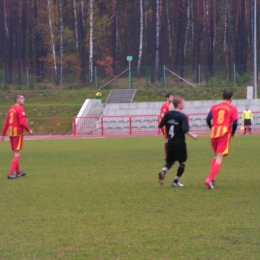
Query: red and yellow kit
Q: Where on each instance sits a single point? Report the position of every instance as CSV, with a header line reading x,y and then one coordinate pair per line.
x,y
15,123
223,114
165,108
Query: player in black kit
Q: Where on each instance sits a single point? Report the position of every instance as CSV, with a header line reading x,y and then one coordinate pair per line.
x,y
177,126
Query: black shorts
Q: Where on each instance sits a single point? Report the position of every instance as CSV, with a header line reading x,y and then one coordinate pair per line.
x,y
247,122
176,151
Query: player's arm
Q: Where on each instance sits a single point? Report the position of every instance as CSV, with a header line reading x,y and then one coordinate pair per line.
x,y
208,119
164,110
163,121
162,114
23,124
234,127
252,118
243,117
4,130
186,129
192,135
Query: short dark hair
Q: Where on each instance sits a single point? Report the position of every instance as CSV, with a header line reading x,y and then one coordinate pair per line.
x,y
227,94
17,96
168,95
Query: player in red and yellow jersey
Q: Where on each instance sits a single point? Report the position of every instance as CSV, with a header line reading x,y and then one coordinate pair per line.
x,y
165,108
15,124
224,124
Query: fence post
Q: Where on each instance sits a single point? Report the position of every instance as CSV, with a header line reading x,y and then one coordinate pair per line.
x,y
96,77
102,126
163,75
199,75
54,124
130,77
234,75
74,126
130,125
27,74
146,74
61,77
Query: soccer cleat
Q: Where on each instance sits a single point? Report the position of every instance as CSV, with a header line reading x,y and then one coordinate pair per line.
x,y
210,185
21,174
161,177
11,176
177,184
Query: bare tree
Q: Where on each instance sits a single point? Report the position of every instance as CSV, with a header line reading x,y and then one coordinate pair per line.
x,y
169,31
226,18
7,53
141,37
19,41
114,29
36,42
157,28
91,28
82,36
76,26
61,43
50,9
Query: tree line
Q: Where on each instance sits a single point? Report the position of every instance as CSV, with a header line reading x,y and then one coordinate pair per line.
x,y
76,35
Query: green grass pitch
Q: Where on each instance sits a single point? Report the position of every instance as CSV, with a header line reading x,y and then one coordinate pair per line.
x,y
100,199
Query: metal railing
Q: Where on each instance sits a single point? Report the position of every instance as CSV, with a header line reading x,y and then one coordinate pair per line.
x,y
120,125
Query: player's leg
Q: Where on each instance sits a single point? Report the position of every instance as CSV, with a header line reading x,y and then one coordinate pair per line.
x,y
247,129
180,171
221,148
250,129
170,160
16,146
213,161
164,170
19,173
181,154
211,165
164,131
215,168
14,163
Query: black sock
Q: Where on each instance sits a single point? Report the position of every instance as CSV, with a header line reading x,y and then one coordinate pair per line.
x,y
180,171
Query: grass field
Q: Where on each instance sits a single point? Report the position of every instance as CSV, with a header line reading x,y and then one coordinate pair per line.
x,y
99,199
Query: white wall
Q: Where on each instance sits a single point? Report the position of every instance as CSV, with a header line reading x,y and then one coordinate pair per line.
x,y
191,107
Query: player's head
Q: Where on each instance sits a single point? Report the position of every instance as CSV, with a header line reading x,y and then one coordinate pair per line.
x,y
228,94
169,97
178,102
19,99
246,108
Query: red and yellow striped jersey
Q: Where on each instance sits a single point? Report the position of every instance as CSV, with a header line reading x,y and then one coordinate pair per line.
x,y
223,114
15,121
165,108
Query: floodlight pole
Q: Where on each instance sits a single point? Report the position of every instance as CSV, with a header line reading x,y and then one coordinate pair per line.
x,y
129,74
129,59
255,56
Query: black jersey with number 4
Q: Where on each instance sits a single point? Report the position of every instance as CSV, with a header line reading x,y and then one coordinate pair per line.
x,y
176,124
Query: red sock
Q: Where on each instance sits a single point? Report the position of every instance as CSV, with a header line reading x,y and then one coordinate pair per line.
x,y
14,163
214,171
212,162
17,169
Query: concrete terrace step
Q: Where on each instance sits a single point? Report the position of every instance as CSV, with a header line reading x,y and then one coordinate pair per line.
x,y
121,96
